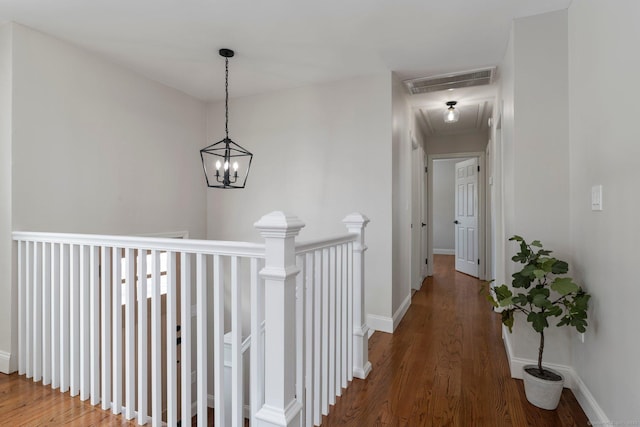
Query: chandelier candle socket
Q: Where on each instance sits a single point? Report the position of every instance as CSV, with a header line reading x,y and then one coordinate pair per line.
x,y
226,154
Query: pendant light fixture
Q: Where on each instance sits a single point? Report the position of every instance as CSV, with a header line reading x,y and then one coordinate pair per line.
x,y
225,163
451,115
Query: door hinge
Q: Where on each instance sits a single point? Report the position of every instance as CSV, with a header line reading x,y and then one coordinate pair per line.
x,y
426,260
426,169
178,341
478,261
478,168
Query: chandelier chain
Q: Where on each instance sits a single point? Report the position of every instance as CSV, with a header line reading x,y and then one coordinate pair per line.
x,y
226,99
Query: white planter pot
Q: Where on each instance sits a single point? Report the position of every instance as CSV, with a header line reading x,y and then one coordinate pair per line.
x,y
540,392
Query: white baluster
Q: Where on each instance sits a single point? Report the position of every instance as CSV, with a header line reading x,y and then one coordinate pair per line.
x,y
185,331
218,340
55,315
130,334
65,309
85,335
281,407
74,321
237,388
344,331
105,334
332,325
172,323
94,323
28,309
356,223
350,310
156,341
309,339
201,338
116,312
37,311
257,349
22,310
300,330
142,337
318,360
325,332
46,314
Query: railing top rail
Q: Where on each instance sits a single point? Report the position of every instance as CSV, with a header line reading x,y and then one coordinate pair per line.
x,y
209,247
314,245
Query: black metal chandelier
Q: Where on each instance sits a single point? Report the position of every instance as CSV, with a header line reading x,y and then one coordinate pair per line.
x,y
225,163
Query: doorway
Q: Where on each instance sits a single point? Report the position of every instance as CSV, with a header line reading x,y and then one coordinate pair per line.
x,y
443,234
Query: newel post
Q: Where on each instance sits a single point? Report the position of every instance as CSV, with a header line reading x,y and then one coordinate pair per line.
x,y
356,223
281,408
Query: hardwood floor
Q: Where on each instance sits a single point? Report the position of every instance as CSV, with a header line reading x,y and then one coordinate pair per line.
x,y
445,366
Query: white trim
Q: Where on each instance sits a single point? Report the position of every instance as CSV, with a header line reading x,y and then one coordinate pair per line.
x,y
589,405
388,324
444,251
572,380
380,323
5,362
401,311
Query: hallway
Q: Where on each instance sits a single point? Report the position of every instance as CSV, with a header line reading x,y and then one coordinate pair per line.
x,y
445,366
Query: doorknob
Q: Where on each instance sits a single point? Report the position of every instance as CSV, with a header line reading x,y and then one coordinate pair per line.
x,y
424,225
456,222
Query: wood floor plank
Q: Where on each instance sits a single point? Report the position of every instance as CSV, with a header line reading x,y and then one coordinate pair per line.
x,y
445,365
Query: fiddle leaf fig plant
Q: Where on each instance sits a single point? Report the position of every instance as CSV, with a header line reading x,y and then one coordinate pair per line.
x,y
541,292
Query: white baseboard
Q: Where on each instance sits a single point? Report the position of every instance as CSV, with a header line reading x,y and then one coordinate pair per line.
x,y
388,324
444,251
401,311
589,405
5,362
380,323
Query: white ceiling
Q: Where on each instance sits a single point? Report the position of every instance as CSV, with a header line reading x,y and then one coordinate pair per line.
x,y
280,43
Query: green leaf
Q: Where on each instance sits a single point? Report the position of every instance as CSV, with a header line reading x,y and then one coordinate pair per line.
x,y
541,301
564,285
502,292
507,319
516,238
560,267
520,281
536,243
520,299
554,311
538,321
539,273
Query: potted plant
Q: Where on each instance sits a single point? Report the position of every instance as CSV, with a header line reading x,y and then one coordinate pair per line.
x,y
541,292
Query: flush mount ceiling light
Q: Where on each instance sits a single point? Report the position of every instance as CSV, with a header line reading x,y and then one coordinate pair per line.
x,y
220,158
451,115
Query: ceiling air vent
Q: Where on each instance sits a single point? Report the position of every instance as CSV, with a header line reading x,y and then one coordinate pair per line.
x,y
478,77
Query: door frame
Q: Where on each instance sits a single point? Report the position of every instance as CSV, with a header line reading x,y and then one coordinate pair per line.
x,y
481,206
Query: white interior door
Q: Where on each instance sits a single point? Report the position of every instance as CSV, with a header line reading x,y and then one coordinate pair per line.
x,y
466,220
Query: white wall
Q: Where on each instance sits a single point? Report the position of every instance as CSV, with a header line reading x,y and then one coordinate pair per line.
x,y
467,142
401,201
443,205
604,136
536,150
99,149
320,152
6,295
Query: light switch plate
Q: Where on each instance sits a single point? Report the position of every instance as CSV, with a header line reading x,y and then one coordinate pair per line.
x,y
596,198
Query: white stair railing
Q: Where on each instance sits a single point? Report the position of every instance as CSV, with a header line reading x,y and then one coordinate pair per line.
x,y
97,315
